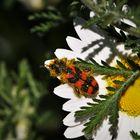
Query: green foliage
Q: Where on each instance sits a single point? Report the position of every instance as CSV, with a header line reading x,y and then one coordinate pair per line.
x,y
134,44
135,135
107,106
19,96
97,112
107,12
104,69
50,19
54,17
7,4
74,8
109,15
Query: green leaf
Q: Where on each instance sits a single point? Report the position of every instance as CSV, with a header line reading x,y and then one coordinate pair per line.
x,y
118,82
135,135
92,21
111,89
104,63
121,65
20,94
110,13
96,113
133,65
113,119
133,44
104,70
50,19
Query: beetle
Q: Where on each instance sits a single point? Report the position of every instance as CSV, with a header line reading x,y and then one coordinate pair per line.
x,y
81,80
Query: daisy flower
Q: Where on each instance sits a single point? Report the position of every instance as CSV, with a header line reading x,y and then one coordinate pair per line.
x,y
94,43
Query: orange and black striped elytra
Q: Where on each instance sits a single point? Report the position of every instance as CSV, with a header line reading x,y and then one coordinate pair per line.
x,y
80,80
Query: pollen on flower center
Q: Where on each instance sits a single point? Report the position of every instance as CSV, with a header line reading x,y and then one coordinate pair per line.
x,y
130,101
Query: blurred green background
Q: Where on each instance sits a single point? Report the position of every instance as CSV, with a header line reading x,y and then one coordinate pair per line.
x,y
18,43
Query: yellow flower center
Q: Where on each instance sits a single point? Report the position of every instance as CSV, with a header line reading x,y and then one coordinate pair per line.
x,y
130,100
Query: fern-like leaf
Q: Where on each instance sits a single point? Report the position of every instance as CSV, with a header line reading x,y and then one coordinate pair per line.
x,y
135,135
104,69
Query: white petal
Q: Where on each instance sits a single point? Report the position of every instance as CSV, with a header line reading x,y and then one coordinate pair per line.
x,y
75,44
114,62
102,85
136,124
125,8
47,62
127,124
123,51
96,52
92,14
124,127
87,35
102,132
65,91
74,132
95,43
75,104
69,120
61,53
129,22
103,55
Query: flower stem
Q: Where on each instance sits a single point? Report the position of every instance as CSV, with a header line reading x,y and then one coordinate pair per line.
x,y
128,82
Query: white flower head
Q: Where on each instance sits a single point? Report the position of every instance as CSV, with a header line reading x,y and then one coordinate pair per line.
x,y
92,43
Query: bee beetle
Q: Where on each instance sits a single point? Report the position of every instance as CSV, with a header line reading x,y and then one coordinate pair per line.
x,y
68,72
